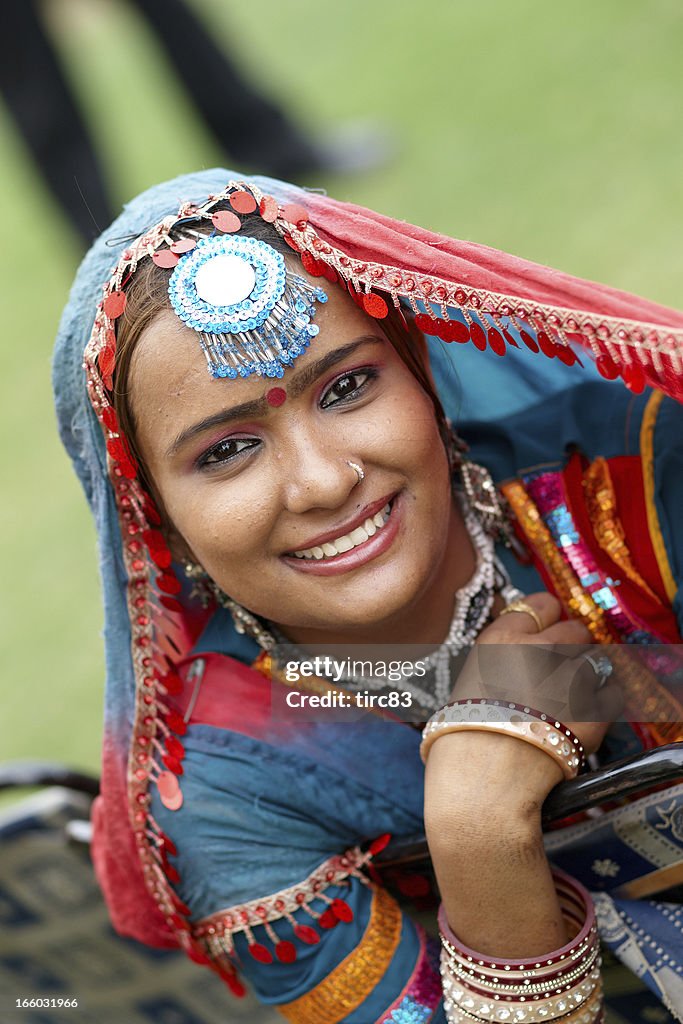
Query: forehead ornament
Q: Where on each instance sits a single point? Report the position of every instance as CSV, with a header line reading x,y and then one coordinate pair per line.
x,y
253,315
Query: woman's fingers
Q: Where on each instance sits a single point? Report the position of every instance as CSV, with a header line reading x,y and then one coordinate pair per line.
x,y
568,633
543,609
520,626
594,698
547,669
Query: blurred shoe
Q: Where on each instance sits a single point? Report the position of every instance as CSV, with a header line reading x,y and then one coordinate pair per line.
x,y
352,148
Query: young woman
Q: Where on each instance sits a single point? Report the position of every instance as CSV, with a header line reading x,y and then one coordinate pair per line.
x,y
273,471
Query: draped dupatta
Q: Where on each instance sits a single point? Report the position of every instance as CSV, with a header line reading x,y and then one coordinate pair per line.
x,y
460,292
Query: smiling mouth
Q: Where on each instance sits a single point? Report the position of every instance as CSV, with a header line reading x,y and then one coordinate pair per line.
x,y
348,541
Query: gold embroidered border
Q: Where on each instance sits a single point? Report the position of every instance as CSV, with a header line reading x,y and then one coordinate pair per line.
x,y
601,502
565,580
647,434
352,981
646,699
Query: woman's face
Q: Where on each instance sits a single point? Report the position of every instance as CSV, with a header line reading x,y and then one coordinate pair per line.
x,y
255,492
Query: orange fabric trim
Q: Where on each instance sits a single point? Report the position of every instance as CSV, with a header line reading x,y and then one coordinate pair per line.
x,y
601,502
352,981
647,434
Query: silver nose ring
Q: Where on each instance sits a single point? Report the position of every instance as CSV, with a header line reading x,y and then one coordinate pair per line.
x,y
358,470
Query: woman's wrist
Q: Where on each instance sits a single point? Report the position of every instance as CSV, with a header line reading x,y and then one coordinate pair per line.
x,y
470,770
473,835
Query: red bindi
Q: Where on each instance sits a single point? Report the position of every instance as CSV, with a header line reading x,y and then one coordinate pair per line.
x,y
276,396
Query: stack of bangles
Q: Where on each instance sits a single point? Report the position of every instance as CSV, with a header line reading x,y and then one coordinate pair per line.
x,y
564,985
516,720
561,986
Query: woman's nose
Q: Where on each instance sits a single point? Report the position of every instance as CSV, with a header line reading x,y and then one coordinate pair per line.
x,y
318,476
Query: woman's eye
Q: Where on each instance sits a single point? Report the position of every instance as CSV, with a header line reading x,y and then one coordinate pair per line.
x,y
348,386
227,450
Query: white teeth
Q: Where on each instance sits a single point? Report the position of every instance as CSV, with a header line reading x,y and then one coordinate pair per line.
x,y
350,540
343,544
382,516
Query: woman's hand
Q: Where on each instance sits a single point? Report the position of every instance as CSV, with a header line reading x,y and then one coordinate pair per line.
x,y
545,669
513,661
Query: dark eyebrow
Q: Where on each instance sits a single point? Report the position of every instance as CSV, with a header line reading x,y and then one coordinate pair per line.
x,y
259,406
298,382
246,410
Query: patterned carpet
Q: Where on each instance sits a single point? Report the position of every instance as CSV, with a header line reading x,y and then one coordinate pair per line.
x,y
56,942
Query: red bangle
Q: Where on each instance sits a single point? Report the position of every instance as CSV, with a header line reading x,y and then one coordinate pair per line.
x,y
566,886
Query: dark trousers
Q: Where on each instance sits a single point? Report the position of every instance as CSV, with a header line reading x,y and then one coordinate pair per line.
x,y
254,131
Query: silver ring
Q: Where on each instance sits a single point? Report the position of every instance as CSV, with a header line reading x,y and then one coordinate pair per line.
x,y
358,470
602,667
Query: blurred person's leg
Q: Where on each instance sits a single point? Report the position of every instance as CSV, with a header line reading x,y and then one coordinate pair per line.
x,y
252,129
39,98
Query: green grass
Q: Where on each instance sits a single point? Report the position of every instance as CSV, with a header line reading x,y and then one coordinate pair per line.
x,y
550,130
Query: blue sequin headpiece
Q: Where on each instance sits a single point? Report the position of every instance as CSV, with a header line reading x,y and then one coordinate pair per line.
x,y
252,315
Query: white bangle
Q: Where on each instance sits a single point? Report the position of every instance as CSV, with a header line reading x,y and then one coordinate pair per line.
x,y
516,720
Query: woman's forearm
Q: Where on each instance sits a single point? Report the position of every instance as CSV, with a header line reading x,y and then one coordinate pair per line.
x,y
483,797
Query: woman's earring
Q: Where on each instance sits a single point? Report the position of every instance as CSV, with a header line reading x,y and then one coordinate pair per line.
x,y
207,590
245,622
481,493
202,589
194,571
484,500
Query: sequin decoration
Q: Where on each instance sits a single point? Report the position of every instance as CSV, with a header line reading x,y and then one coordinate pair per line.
x,y
217,932
422,994
351,982
564,579
252,315
114,304
169,791
593,598
166,258
242,201
547,491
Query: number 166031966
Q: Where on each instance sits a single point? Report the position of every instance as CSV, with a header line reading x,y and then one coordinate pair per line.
x,y
45,1002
